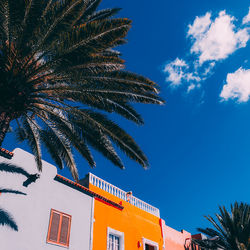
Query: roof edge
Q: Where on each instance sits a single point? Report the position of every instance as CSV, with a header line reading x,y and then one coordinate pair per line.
x,y
85,190
6,153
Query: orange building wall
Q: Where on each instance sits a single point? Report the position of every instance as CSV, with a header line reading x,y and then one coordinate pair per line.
x,y
134,222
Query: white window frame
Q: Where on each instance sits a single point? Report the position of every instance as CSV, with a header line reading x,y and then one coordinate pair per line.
x,y
118,234
149,242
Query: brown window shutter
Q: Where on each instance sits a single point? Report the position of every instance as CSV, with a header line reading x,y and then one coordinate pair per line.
x,y
54,227
64,234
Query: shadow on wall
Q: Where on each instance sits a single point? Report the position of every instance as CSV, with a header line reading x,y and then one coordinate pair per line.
x,y
5,218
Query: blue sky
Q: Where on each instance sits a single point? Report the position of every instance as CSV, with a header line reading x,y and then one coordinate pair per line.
x,y
198,144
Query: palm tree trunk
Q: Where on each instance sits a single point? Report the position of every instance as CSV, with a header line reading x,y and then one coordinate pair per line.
x,y
5,120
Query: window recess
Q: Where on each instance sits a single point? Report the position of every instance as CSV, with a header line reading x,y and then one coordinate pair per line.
x,y
59,228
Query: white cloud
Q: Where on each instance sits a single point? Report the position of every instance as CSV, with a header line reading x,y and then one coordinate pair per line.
x,y
237,86
178,72
200,25
208,69
246,19
216,40
193,86
213,38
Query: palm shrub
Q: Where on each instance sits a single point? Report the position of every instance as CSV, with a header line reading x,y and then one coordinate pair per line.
x,y
60,75
231,230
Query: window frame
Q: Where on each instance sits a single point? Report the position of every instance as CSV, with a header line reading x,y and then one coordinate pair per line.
x,y
58,243
151,243
118,234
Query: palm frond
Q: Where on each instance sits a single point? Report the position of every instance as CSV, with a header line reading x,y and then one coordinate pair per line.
x,y
90,8
33,138
102,14
72,132
61,73
124,141
231,229
62,148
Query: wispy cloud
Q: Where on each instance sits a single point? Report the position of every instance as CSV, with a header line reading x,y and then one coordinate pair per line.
x,y
178,71
237,86
193,86
246,19
213,39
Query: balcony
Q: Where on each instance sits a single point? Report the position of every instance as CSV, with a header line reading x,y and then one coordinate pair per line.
x,y
104,185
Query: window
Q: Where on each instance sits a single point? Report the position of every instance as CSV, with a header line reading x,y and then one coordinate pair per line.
x,y
149,245
115,240
59,228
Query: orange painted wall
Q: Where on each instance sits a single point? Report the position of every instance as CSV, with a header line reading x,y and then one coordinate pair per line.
x,y
134,222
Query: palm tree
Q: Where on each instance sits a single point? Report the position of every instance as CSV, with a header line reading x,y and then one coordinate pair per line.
x,y
60,75
231,230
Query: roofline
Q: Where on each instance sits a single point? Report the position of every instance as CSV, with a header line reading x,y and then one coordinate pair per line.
x,y
85,190
6,153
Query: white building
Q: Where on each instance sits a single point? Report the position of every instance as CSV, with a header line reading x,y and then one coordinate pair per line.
x,y
55,213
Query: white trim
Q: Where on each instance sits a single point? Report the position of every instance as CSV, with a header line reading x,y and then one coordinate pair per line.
x,y
106,186
92,224
162,222
116,233
151,243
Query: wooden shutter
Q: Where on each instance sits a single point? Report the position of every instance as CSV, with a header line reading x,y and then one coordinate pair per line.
x,y
59,228
64,230
54,226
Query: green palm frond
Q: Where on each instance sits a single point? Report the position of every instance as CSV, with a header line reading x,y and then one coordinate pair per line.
x,y
63,149
33,137
231,229
90,8
102,14
61,74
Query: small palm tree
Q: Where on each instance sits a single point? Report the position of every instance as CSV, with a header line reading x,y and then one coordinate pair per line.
x,y
60,74
231,230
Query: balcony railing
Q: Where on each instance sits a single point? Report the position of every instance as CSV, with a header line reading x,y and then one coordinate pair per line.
x,y
104,185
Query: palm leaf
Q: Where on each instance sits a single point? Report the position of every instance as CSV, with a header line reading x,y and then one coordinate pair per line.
x,y
231,229
33,138
61,74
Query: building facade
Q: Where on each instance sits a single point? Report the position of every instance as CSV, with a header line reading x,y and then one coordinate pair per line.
x,y
50,215
92,214
176,240
134,225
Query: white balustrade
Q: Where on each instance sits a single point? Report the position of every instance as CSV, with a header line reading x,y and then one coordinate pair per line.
x,y
100,183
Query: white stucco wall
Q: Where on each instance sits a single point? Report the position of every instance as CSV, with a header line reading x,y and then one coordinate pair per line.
x,y
32,212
